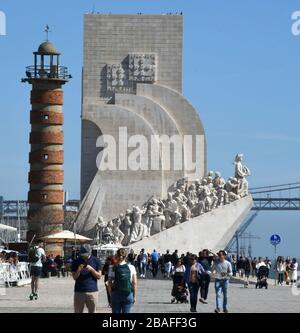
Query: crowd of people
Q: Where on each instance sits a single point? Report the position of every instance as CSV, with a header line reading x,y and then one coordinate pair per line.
x,y
9,257
191,274
285,269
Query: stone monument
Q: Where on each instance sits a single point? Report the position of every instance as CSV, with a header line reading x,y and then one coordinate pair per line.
x,y
132,100
144,182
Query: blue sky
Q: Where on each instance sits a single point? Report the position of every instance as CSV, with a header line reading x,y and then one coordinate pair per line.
x,y
241,71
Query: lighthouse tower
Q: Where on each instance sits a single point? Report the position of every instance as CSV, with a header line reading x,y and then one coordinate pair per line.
x,y
46,157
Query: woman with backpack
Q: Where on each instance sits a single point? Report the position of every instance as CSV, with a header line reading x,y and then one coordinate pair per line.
x,y
122,284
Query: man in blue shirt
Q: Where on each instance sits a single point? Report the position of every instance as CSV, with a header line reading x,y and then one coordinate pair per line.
x,y
86,272
154,261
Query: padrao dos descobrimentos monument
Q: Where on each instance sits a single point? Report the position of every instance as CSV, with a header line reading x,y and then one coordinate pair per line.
x,y
144,179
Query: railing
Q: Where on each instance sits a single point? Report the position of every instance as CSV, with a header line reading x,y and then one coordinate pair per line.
x,y
47,72
15,274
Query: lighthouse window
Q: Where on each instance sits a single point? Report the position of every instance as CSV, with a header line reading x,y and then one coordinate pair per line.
x,y
46,117
45,196
46,156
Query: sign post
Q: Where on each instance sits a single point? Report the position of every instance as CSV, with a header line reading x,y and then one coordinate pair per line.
x,y
275,240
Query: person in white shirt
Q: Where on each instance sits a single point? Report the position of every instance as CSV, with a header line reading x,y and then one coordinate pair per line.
x,y
280,268
293,272
222,271
36,265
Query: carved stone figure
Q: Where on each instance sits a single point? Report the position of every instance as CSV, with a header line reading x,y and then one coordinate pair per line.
x,y
100,226
205,196
157,217
182,204
241,172
126,227
117,233
188,201
223,197
171,212
149,219
108,236
231,187
210,174
192,196
139,229
218,181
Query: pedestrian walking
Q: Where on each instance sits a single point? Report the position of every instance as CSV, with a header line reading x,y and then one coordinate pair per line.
x,y
131,257
206,261
192,280
247,272
167,264
222,270
293,271
178,278
122,284
174,257
280,269
36,257
287,270
109,263
154,262
253,267
234,265
86,271
142,260
241,267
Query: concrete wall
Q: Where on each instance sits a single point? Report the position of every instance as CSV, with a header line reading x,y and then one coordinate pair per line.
x,y
108,39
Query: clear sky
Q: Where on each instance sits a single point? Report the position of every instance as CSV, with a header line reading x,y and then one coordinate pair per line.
x,y
241,71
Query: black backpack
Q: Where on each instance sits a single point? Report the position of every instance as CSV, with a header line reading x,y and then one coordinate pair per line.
x,y
33,255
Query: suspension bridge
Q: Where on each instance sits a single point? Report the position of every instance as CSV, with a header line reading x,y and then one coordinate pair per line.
x,y
284,197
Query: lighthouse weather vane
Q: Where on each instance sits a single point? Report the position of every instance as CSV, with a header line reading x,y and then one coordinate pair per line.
x,y
47,30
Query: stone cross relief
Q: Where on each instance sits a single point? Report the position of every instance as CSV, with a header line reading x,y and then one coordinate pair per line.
x,y
137,67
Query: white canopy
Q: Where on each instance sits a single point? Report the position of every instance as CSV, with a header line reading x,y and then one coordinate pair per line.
x,y
66,235
6,227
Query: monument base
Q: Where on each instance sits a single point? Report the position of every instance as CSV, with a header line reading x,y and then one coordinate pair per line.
x,y
212,230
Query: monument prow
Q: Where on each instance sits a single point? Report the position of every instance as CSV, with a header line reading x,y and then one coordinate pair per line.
x,y
212,230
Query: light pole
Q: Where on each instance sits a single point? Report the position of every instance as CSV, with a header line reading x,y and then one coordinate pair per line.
x,y
19,221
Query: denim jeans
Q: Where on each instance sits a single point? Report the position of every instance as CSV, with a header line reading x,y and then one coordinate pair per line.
x,y
221,286
142,268
194,289
121,302
280,277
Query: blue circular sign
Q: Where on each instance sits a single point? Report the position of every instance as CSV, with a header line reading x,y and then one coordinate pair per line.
x,y
275,239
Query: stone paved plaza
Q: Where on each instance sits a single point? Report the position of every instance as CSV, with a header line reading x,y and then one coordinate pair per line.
x,y
56,296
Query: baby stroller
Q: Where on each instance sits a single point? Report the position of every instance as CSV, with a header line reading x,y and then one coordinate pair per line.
x,y
180,294
262,277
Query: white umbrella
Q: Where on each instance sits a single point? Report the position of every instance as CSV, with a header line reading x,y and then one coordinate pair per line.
x,y
66,235
6,227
